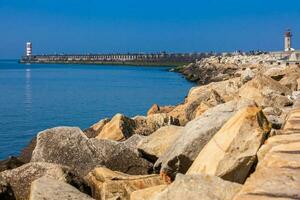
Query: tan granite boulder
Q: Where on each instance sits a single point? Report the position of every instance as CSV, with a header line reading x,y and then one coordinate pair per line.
x,y
275,141
266,92
107,184
279,72
96,129
20,179
199,187
292,123
195,135
119,128
277,175
148,193
231,152
154,145
207,95
46,188
290,81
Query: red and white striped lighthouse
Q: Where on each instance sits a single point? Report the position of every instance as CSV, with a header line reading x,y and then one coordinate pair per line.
x,y
28,49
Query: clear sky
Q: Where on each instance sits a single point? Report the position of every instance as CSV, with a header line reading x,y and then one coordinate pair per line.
x,y
98,26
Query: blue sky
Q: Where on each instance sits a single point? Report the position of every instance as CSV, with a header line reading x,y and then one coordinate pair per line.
x,y
85,26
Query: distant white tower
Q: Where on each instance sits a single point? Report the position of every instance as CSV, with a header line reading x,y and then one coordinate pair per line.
x,y
288,41
28,49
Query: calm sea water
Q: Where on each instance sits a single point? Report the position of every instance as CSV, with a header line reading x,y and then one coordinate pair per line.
x,y
37,97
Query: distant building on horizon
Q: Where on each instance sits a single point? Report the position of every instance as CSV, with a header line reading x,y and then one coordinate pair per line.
x,y
28,49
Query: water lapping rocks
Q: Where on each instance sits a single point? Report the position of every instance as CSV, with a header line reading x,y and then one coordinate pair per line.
x,y
236,136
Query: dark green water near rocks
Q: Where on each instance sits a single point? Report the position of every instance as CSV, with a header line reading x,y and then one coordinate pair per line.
x,y
37,97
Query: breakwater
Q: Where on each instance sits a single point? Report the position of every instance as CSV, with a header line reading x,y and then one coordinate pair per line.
x,y
162,59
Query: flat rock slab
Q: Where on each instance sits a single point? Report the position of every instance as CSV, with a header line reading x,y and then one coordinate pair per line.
x,y
277,175
195,135
232,151
69,146
155,145
148,193
46,188
199,187
107,184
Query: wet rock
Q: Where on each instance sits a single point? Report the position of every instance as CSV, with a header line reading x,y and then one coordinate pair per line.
x,y
107,184
154,145
231,153
10,163
21,178
195,187
96,129
26,153
69,146
46,188
148,193
195,135
119,128
266,92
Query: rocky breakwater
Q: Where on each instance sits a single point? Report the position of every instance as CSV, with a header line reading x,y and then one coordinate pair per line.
x,y
236,137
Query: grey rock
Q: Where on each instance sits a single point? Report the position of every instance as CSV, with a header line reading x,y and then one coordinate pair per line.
x,y
46,188
195,135
21,178
196,187
10,163
69,146
247,75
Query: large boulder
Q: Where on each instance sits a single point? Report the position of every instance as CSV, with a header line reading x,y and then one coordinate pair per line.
x,y
196,187
277,175
275,141
195,135
96,129
69,146
292,122
21,178
204,97
46,188
279,72
148,193
107,184
119,128
154,145
266,92
231,152
290,81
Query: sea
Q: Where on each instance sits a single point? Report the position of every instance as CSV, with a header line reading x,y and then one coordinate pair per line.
x,y
35,97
